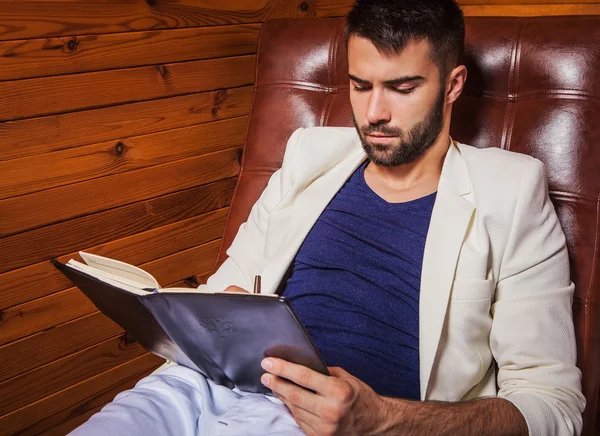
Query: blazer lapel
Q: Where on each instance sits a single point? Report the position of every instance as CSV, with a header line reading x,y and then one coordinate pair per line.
x,y
449,223
299,217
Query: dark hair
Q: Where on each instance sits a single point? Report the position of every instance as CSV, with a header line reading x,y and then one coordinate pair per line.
x,y
391,24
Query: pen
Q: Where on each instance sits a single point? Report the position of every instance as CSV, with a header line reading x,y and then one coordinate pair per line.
x,y
257,284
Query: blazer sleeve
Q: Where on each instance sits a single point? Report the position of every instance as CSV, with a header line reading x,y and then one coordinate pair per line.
x,y
532,336
246,251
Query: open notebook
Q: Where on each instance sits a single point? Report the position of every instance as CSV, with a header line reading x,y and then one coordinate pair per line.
x,y
121,274
222,335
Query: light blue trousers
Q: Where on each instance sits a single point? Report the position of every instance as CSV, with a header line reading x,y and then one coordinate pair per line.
x,y
181,402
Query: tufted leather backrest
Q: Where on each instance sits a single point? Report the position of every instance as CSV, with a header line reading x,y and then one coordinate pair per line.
x,y
533,87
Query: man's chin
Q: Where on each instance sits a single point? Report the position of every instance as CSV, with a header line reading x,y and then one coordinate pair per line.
x,y
383,159
380,154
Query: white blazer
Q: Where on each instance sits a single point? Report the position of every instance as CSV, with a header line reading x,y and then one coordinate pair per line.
x,y
495,283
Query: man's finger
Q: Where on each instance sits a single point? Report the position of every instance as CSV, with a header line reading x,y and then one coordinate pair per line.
x,y
295,395
306,420
236,289
301,375
336,371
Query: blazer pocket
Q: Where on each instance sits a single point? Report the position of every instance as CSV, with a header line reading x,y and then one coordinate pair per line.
x,y
472,289
466,354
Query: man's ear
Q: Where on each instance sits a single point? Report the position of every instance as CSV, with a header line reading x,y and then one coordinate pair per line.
x,y
456,82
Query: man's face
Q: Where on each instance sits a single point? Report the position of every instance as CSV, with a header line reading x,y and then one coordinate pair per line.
x,y
397,100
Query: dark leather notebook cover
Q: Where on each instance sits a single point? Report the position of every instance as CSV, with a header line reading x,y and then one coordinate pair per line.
x,y
125,309
222,335
236,331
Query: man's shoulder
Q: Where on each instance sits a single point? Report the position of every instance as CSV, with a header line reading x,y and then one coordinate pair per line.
x,y
499,179
328,138
497,169
320,148
495,158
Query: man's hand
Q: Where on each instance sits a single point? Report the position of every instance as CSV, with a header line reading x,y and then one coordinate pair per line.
x,y
339,404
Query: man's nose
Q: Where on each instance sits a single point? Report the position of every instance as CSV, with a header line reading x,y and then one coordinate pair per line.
x,y
378,111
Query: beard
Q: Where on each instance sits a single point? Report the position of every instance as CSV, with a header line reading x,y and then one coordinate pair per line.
x,y
411,144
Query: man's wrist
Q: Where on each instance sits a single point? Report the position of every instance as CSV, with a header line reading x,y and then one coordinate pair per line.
x,y
493,416
388,415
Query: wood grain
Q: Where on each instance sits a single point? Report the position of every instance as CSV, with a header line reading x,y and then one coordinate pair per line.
x,y
528,10
522,2
57,408
185,263
28,249
48,18
33,136
23,285
71,424
337,8
34,316
331,8
39,349
65,372
145,247
30,58
30,97
44,313
65,202
51,170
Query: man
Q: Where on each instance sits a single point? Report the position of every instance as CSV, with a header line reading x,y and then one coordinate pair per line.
x,y
417,264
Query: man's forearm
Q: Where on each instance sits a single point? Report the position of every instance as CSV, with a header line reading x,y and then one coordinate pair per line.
x,y
489,416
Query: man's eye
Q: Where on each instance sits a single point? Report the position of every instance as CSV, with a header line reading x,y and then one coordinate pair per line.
x,y
360,88
404,91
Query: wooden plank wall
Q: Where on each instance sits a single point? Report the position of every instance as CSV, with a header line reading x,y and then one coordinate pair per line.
x,y
121,123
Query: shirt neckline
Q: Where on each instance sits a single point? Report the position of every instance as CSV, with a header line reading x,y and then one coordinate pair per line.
x,y
376,196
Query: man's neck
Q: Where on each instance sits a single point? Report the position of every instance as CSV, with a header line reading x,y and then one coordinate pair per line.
x,y
410,181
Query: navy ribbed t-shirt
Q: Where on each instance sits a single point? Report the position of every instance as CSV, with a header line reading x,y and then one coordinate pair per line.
x,y
355,285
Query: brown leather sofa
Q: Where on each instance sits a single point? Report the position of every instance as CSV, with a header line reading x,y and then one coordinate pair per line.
x,y
533,87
